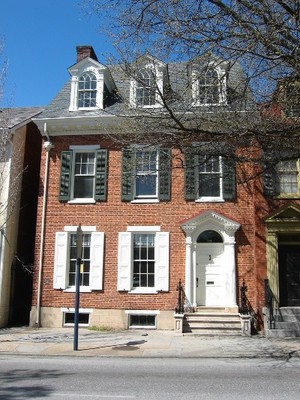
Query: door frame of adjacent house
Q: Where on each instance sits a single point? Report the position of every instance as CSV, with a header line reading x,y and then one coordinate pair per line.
x,y
282,227
226,228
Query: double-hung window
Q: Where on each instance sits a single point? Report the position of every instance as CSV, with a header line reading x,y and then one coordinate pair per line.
x,y
282,179
145,174
83,174
85,259
87,90
209,86
143,260
288,176
145,88
65,259
146,163
208,177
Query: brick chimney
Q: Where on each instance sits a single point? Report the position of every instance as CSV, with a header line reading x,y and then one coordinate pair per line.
x,y
85,51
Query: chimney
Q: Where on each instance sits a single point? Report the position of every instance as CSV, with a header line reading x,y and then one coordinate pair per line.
x,y
85,51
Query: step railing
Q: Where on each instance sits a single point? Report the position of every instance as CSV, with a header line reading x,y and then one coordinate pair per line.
x,y
183,304
270,301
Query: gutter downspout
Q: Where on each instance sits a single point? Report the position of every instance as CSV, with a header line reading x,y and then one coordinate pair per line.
x,y
47,146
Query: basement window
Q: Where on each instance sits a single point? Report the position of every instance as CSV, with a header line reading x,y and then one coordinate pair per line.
x,y
142,321
83,319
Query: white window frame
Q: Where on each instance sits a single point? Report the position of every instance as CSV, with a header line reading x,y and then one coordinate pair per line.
x,y
159,86
221,86
282,172
210,198
76,150
153,313
125,260
65,310
76,73
62,259
139,174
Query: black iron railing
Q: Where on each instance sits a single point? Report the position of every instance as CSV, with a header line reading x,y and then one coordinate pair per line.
x,y
179,309
270,300
183,304
244,308
247,309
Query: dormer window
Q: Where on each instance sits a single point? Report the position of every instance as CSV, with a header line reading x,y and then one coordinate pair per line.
x,y
147,83
91,85
145,88
87,90
209,86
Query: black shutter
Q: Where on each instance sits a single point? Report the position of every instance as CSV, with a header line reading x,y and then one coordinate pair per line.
x,y
127,186
65,175
189,175
270,181
164,174
101,175
229,186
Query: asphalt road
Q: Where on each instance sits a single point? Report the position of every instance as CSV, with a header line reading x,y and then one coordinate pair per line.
x,y
64,378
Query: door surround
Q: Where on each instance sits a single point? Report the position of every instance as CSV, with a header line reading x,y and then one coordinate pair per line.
x,y
285,220
226,228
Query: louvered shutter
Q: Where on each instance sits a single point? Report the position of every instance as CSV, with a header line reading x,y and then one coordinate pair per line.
x,y
162,261
101,175
96,266
270,181
127,185
229,187
124,261
60,260
164,173
189,175
65,175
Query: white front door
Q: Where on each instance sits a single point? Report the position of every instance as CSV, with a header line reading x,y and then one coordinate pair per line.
x,y
210,274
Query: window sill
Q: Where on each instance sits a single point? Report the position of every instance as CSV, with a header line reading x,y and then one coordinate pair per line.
x,y
82,201
209,200
144,201
143,291
82,289
287,196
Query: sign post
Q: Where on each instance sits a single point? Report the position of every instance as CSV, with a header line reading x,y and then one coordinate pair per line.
x,y
77,285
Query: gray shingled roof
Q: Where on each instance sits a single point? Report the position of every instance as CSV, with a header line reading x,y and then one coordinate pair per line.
x,y
179,86
13,117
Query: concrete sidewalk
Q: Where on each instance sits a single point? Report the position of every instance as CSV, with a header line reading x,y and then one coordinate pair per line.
x,y
141,343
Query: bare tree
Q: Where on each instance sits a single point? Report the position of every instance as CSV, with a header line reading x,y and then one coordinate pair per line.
x,y
255,43
10,164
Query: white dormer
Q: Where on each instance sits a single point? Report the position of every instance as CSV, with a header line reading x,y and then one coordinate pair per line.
x,y
147,82
209,84
89,78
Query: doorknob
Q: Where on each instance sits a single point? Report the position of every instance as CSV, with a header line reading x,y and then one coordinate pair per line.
x,y
197,281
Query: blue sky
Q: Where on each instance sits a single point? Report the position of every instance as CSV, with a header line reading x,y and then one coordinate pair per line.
x,y
40,39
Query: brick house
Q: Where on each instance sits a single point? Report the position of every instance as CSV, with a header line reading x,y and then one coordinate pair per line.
x,y
147,222
19,181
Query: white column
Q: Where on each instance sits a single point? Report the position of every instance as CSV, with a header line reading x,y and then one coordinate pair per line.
x,y
230,273
188,268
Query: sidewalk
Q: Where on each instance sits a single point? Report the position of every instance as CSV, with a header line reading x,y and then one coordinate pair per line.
x,y
141,343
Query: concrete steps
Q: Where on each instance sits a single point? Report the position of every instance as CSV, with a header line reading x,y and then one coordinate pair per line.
x,y
212,321
287,323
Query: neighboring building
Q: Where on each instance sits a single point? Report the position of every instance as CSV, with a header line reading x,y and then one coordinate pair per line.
x,y
19,179
147,223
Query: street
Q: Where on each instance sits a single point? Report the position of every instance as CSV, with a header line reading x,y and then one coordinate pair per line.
x,y
81,378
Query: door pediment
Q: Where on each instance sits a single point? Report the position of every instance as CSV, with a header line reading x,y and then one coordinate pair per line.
x,y
210,219
286,218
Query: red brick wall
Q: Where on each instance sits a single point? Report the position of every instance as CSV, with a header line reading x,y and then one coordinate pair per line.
x,y
114,216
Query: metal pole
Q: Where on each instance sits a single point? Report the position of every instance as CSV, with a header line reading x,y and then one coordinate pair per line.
x,y
77,286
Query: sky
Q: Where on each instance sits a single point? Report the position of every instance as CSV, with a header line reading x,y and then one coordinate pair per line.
x,y
40,39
